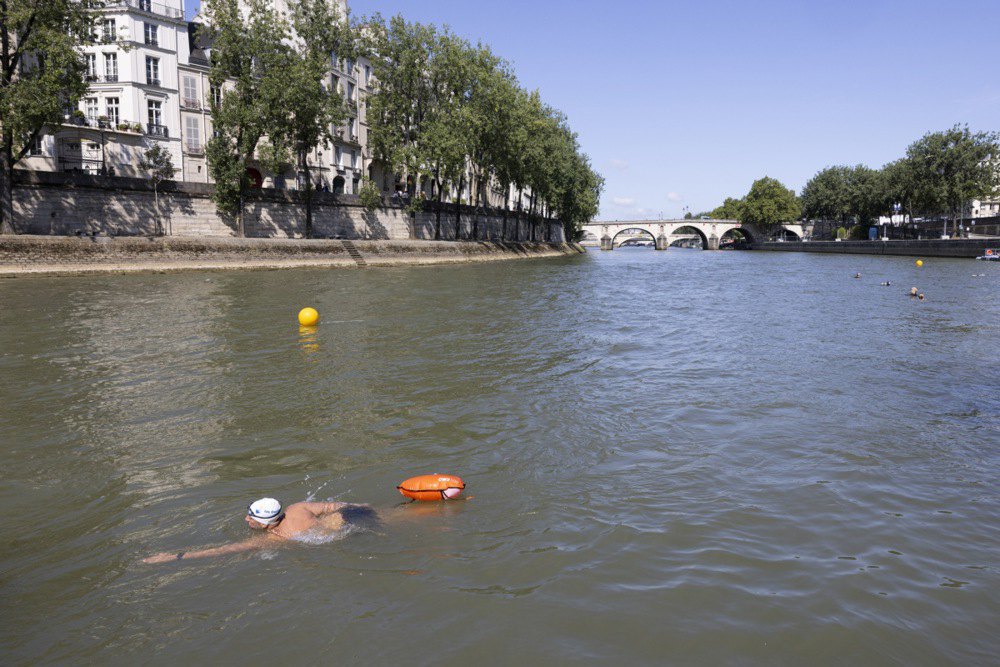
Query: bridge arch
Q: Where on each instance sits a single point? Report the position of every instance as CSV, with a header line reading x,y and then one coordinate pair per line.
x,y
692,229
631,232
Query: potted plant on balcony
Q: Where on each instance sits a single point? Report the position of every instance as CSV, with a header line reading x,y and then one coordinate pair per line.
x,y
124,127
78,117
102,121
137,127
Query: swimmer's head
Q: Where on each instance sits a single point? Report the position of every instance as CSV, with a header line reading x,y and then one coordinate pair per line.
x,y
263,513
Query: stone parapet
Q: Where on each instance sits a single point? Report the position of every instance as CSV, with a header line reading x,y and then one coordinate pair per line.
x,y
70,204
913,248
20,254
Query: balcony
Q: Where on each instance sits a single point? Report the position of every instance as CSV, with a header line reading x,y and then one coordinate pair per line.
x,y
154,130
194,148
106,78
190,103
150,81
152,42
149,7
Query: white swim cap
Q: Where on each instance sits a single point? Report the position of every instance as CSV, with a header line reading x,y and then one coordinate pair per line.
x,y
266,511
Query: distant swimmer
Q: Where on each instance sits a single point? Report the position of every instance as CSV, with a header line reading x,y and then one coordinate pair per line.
x,y
857,275
921,296
886,284
279,525
913,291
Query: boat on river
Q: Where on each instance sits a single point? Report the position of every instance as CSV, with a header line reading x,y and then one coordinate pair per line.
x,y
990,256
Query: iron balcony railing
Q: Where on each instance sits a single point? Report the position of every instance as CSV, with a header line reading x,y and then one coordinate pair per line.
x,y
154,130
190,103
150,81
194,148
150,7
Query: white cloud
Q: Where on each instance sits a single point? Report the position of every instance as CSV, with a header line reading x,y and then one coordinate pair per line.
x,y
623,201
673,196
620,165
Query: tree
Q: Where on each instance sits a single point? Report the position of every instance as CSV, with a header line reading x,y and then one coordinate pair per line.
x,y
250,64
769,203
41,76
158,162
310,109
845,194
949,168
730,210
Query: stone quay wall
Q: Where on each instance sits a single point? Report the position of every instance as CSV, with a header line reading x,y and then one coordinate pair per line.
x,y
64,204
913,248
58,255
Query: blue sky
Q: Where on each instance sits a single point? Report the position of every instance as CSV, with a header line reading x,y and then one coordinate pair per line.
x,y
681,104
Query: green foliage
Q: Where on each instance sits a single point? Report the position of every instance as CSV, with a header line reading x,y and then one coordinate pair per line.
x,y
860,232
455,113
41,73
769,204
841,233
946,169
158,163
845,194
730,210
370,195
251,61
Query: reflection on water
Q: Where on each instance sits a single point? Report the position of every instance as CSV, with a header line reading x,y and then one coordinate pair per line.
x,y
671,457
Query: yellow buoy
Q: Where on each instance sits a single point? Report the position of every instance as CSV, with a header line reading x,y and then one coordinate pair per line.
x,y
920,262
308,317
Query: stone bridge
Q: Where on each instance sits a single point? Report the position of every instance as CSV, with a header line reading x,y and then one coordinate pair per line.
x,y
665,232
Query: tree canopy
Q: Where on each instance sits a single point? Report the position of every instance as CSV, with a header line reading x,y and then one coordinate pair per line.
x,y
769,203
41,75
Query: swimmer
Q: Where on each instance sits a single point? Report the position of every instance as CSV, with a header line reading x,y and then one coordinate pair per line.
x,y
857,275
277,525
886,284
913,291
921,296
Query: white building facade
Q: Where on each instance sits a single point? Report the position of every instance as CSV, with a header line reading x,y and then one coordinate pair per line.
x,y
131,103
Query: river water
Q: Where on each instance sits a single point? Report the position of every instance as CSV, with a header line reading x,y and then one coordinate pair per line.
x,y
680,457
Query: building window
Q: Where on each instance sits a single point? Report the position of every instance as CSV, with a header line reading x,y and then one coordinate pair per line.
x,y
110,31
192,134
110,66
335,83
91,105
155,116
338,159
349,66
36,146
91,66
146,5
354,159
216,92
152,71
111,111
351,129
152,36
350,91
368,74
190,92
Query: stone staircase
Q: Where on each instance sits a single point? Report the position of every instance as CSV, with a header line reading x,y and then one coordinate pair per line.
x,y
353,252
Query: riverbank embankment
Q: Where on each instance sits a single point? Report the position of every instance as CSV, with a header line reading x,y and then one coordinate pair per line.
x,y
965,248
53,255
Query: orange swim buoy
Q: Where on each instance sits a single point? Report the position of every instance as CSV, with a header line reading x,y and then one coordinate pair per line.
x,y
432,487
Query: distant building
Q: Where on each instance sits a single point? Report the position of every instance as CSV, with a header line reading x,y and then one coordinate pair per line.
x,y
132,100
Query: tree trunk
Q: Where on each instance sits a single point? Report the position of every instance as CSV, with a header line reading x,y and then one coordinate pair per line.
x,y
458,208
6,191
437,226
503,231
156,207
240,229
309,195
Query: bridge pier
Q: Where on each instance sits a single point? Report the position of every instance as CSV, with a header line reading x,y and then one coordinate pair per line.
x,y
713,242
662,242
606,243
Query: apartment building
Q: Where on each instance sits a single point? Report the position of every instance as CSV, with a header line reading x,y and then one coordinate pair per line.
x,y
131,103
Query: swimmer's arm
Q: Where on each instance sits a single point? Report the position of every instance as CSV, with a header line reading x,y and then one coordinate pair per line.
x,y
236,547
